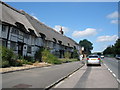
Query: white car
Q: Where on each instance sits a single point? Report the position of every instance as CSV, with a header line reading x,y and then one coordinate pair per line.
x,y
102,56
117,57
93,59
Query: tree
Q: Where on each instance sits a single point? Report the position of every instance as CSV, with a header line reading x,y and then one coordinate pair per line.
x,y
114,49
87,46
117,46
109,50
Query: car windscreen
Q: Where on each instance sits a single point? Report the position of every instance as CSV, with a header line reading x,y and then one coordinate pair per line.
x,y
93,56
118,55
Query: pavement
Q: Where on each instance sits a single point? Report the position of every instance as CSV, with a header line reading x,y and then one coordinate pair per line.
x,y
38,77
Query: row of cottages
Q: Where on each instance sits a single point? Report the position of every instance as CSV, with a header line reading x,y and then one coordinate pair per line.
x,y
25,35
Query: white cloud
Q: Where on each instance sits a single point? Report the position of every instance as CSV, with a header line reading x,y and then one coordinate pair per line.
x,y
107,38
113,15
114,21
85,33
65,29
33,15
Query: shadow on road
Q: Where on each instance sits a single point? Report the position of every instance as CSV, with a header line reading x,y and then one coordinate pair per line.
x,y
93,65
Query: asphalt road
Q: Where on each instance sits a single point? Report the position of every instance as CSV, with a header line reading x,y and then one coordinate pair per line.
x,y
90,77
112,64
39,77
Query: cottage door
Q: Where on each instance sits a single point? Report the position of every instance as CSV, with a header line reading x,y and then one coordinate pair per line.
x,y
20,48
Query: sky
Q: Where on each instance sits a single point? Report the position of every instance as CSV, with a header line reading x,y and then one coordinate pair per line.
x,y
94,21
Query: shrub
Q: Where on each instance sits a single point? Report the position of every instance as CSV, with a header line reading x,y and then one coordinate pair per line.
x,y
7,56
38,55
4,63
45,54
75,54
29,59
17,63
67,55
49,58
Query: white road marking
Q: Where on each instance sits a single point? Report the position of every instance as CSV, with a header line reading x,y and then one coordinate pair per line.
x,y
109,69
118,80
112,73
72,74
106,65
58,84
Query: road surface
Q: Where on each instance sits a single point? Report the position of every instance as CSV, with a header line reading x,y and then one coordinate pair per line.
x,y
39,77
86,77
90,77
112,64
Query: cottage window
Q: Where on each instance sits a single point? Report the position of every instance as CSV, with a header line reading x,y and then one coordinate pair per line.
x,y
13,45
54,44
4,27
26,36
29,49
4,42
14,30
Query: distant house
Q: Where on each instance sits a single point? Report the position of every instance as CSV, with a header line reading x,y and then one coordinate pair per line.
x,y
25,35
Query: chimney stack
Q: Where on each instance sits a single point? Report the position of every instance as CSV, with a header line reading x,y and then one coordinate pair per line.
x,y
61,31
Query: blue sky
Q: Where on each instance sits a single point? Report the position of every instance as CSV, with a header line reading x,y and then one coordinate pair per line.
x,y
94,21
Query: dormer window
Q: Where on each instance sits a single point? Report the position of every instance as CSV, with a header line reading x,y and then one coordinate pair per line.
x,y
14,30
68,44
60,42
42,36
4,28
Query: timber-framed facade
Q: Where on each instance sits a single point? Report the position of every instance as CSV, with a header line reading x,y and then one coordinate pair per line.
x,y
25,35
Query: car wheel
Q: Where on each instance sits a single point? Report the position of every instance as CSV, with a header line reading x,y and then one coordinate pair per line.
x,y
87,64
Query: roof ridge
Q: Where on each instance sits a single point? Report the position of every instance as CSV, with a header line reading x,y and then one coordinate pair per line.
x,y
11,7
40,22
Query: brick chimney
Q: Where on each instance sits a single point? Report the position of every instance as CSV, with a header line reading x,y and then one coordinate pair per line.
x,y
61,31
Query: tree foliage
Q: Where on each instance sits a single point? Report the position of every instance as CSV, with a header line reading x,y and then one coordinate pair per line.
x,y
87,46
117,47
114,49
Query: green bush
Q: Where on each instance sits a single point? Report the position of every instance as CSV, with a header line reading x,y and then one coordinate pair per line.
x,y
67,55
38,55
29,59
64,60
4,63
49,58
17,63
7,56
75,54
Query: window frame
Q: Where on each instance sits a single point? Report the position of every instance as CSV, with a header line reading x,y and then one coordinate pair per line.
x,y
29,49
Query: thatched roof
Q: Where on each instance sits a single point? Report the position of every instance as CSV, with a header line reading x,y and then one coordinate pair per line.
x,y
21,18
14,17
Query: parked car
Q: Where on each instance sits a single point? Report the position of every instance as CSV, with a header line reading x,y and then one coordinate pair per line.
x,y
102,56
93,59
117,56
